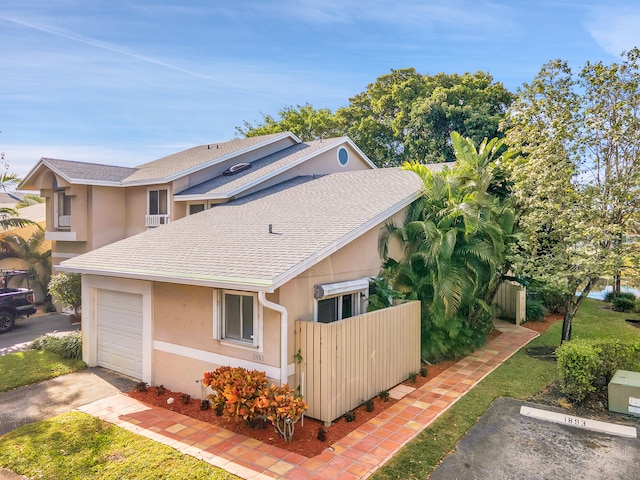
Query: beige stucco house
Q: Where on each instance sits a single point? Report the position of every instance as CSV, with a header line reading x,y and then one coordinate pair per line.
x,y
250,238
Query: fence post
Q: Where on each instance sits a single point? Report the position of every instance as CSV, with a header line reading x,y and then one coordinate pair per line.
x,y
521,304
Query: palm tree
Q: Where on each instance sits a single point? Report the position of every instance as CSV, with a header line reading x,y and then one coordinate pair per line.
x,y
9,217
32,253
28,200
455,240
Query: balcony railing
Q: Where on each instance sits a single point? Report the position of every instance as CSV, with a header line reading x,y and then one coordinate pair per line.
x,y
155,220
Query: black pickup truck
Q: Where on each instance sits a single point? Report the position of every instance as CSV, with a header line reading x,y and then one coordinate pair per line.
x,y
15,300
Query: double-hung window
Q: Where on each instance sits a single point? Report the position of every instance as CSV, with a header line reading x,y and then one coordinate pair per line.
x,y
239,317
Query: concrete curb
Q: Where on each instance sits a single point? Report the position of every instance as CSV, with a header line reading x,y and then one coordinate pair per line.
x,y
579,422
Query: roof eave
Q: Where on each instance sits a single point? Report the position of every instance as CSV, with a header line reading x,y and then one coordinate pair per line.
x,y
250,285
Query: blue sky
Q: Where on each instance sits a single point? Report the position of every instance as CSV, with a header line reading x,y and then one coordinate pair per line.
x,y
125,82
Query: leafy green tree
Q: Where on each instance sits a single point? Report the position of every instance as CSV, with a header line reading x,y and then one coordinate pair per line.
x,y
403,116
306,122
67,289
577,183
469,104
455,243
376,118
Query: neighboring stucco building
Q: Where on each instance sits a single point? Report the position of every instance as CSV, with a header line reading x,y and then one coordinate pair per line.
x,y
89,205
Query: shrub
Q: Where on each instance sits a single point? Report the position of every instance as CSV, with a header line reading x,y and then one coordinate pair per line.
x,y
67,346
535,310
235,390
636,307
384,395
423,371
552,297
583,365
349,417
628,295
67,289
141,387
243,394
413,376
446,338
369,405
624,304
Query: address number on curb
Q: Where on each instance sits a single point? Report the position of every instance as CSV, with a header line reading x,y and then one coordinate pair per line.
x,y
595,425
576,421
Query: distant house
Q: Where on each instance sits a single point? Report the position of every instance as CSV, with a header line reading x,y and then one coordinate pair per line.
x,y
173,287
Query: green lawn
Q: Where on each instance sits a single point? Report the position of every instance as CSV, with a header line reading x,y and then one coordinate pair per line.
x,y
520,377
25,368
78,446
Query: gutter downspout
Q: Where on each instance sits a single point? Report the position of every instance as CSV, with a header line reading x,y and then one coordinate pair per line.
x,y
284,337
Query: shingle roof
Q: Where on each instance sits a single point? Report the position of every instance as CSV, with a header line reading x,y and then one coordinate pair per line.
x,y
176,163
88,171
230,245
158,171
222,186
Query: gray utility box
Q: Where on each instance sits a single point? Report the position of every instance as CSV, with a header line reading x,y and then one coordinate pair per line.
x,y
624,393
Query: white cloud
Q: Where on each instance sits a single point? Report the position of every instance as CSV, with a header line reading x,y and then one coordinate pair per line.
x,y
614,28
413,13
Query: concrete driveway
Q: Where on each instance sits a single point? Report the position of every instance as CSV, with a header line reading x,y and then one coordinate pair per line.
x,y
27,329
505,445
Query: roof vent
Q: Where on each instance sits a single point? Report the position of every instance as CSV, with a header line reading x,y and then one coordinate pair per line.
x,y
237,168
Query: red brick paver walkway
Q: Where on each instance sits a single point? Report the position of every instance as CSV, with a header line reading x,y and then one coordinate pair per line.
x,y
355,456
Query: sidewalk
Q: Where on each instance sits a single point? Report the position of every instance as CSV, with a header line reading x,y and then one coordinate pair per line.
x,y
357,455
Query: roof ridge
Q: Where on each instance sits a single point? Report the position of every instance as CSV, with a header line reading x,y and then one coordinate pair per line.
x,y
86,163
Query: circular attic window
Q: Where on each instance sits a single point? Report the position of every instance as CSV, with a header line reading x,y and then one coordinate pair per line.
x,y
343,156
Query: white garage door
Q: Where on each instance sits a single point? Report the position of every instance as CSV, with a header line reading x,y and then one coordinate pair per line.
x,y
120,332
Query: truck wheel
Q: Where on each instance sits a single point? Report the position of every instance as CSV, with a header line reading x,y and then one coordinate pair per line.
x,y
7,321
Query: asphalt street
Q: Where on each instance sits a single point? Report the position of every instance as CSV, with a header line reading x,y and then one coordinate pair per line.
x,y
27,329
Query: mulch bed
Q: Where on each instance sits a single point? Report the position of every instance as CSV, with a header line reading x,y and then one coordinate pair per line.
x,y
542,325
305,439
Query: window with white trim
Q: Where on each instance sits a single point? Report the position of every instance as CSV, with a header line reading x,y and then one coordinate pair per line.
x,y
62,210
341,300
157,207
238,317
158,202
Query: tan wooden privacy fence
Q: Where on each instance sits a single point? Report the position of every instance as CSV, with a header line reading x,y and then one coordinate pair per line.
x,y
512,300
349,361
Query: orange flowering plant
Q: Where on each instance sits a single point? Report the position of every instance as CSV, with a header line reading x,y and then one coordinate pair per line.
x,y
240,393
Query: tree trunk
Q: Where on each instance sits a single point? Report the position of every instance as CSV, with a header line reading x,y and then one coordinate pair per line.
x,y
569,312
616,287
573,302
